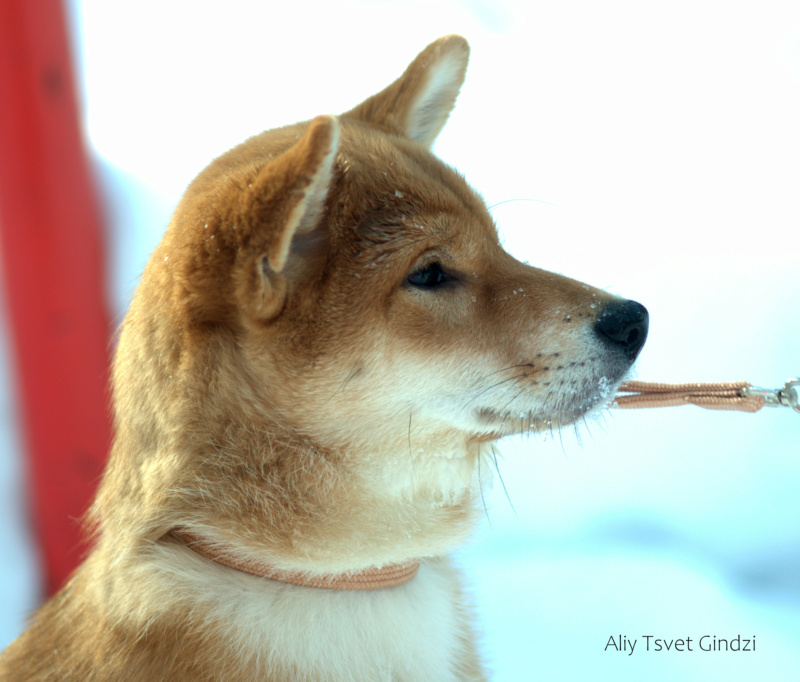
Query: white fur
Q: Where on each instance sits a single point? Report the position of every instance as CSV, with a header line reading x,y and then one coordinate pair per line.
x,y
400,633
430,110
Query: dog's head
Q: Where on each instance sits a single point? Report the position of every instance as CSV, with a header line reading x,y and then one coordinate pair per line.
x,y
333,288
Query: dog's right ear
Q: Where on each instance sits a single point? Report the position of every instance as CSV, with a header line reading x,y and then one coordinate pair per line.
x,y
418,103
287,198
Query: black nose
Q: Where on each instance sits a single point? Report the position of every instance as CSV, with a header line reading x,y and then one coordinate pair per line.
x,y
624,325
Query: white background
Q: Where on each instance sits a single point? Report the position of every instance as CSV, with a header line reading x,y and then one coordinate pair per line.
x,y
649,148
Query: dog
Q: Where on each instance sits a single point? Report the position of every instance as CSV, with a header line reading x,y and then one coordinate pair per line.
x,y
319,355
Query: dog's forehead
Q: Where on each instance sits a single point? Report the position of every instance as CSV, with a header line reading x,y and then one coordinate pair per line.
x,y
403,188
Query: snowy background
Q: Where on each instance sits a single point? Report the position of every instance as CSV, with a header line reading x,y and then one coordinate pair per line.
x,y
649,148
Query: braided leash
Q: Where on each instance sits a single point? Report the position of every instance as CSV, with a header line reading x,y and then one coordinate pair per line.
x,y
734,395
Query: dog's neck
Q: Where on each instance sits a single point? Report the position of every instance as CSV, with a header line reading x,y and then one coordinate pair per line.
x,y
391,575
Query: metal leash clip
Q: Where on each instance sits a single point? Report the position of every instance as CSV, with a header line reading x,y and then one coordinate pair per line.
x,y
777,397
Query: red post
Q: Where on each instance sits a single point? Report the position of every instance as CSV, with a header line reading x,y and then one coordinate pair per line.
x,y
52,259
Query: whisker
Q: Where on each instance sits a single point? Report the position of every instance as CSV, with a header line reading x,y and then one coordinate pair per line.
x,y
588,430
502,482
410,451
352,375
530,201
480,484
513,398
504,410
576,429
499,383
510,367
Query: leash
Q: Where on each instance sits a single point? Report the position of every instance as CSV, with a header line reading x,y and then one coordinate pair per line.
x,y
734,395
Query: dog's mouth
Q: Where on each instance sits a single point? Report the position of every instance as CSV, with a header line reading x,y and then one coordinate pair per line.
x,y
567,388
563,404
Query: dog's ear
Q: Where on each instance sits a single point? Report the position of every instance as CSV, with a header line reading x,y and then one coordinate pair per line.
x,y
418,103
285,200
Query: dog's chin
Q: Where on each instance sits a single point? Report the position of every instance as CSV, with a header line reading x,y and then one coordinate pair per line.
x,y
557,410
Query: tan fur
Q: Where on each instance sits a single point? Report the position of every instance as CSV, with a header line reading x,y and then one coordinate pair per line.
x,y
282,389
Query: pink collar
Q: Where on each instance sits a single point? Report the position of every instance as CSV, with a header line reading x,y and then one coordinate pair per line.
x,y
390,575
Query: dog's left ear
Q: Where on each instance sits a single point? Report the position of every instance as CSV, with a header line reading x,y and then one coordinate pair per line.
x,y
283,204
418,103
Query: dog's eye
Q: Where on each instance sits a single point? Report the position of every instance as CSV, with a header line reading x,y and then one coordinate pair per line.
x,y
428,277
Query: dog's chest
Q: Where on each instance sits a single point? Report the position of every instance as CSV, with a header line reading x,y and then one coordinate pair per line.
x,y
410,632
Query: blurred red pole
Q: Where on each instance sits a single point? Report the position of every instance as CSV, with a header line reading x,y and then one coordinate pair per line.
x,y
52,259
